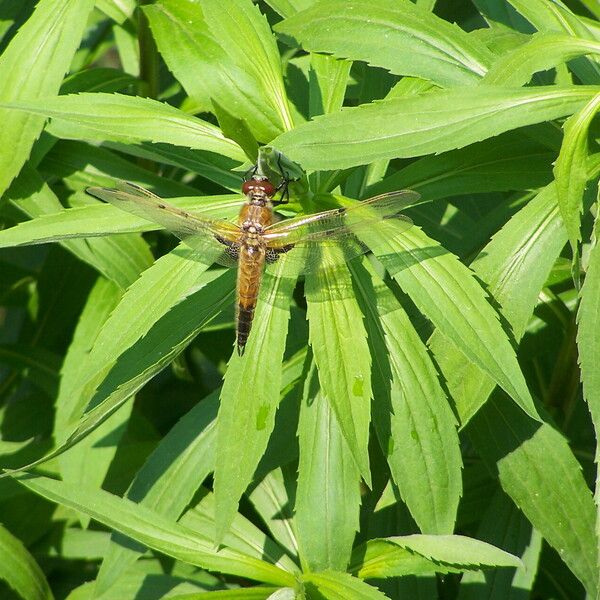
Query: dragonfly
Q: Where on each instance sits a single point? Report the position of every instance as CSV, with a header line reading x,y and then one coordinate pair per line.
x,y
258,240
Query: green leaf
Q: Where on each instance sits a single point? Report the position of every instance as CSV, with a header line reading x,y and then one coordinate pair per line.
x,y
126,119
339,343
235,59
213,167
155,531
412,417
289,7
514,265
538,470
256,593
542,52
33,66
448,293
120,260
19,569
258,55
588,345
555,16
156,318
328,81
90,463
551,16
118,10
97,80
571,172
328,493
236,129
271,500
247,412
83,165
243,536
504,163
394,34
424,124
148,584
40,364
334,585
421,554
167,484
504,524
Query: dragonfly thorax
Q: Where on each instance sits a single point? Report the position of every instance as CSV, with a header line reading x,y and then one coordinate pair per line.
x,y
252,227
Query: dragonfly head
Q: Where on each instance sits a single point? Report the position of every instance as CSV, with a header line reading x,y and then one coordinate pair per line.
x,y
258,187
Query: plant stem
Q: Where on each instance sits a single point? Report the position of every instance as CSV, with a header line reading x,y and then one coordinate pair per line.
x,y
148,55
148,69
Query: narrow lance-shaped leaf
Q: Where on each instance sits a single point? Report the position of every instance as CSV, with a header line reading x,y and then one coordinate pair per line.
x,y
167,484
424,124
241,21
447,293
328,81
184,38
127,119
123,359
571,172
120,260
542,52
328,494
556,16
339,342
515,266
420,554
334,585
155,531
503,163
504,524
19,569
539,471
412,417
90,463
588,344
33,66
99,220
393,34
250,397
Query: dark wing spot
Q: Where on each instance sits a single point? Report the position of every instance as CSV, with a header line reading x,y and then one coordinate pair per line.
x,y
161,206
272,254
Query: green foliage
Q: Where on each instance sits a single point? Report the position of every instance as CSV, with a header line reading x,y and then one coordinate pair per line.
x,y
411,423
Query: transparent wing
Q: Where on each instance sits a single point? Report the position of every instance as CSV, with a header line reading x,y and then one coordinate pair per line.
x,y
215,240
307,240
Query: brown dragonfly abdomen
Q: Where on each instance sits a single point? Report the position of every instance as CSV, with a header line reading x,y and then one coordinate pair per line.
x,y
251,263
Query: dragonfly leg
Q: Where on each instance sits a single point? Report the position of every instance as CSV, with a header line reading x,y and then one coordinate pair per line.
x,y
250,173
283,187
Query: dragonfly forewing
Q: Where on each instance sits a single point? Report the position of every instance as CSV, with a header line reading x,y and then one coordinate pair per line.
x,y
213,240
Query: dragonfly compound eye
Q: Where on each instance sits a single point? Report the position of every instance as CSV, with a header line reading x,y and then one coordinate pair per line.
x,y
259,187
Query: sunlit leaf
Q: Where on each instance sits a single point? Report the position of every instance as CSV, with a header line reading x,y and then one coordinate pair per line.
x,y
424,124
32,66
394,34
19,569
155,531
328,494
